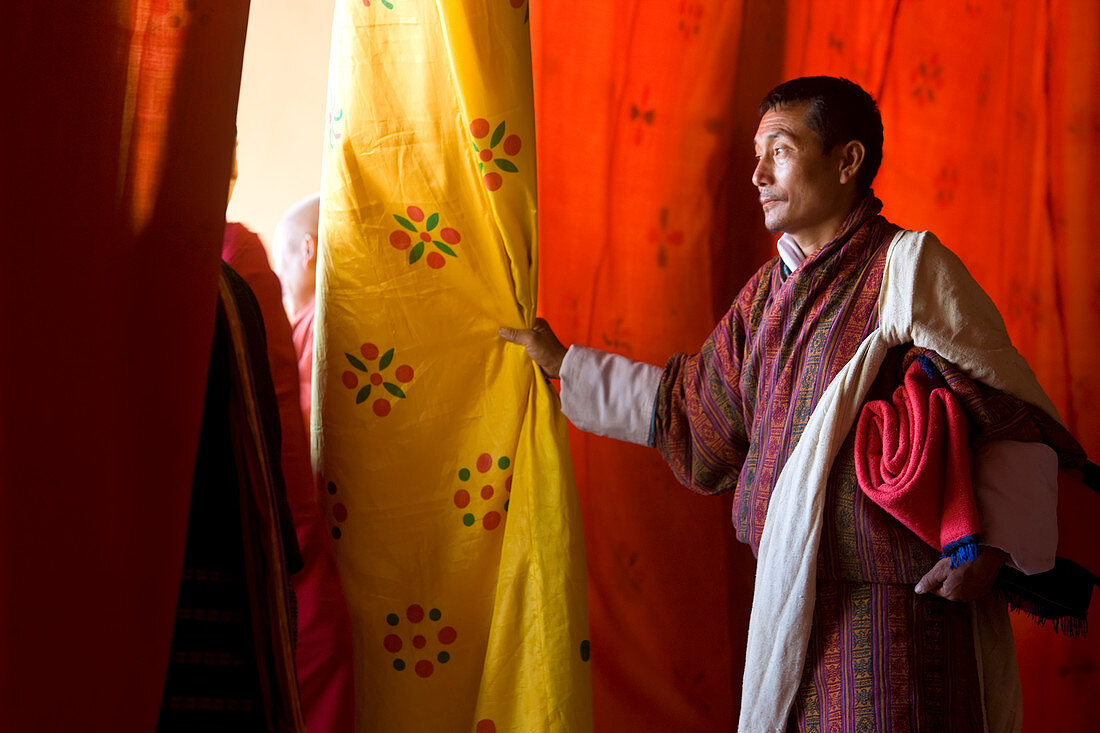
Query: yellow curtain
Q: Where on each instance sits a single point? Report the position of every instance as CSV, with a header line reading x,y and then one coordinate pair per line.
x,y
441,449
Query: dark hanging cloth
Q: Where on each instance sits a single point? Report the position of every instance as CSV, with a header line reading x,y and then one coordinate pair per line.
x,y
232,662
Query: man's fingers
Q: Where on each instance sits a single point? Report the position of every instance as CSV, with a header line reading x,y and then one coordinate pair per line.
x,y
968,581
541,326
516,335
541,345
934,578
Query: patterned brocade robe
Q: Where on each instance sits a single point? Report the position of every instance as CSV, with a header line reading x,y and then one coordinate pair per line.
x,y
880,658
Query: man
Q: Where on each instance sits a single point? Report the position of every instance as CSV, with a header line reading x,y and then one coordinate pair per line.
x,y
838,640
296,265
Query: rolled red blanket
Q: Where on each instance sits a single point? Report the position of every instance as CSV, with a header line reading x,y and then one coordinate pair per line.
x,y
913,460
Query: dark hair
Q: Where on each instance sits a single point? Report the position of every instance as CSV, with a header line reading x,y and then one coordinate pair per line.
x,y
840,111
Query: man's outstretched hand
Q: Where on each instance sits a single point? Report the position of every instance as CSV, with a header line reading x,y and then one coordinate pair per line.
x,y
541,344
967,582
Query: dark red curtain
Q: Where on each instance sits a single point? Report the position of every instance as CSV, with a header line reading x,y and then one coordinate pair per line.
x,y
648,225
118,130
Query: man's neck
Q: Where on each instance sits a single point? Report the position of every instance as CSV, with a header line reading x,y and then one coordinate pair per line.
x,y
812,239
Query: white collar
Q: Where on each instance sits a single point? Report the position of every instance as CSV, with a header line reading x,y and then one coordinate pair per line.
x,y
790,252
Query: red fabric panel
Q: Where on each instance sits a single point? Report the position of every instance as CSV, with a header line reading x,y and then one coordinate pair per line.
x,y
648,225
635,113
117,142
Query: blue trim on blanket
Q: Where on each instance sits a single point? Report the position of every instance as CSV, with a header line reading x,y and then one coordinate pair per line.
x,y
930,369
963,550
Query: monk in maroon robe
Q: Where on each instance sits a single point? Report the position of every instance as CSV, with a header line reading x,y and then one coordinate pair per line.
x,y
295,254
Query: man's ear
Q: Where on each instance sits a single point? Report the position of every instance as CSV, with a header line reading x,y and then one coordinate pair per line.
x,y
851,160
309,249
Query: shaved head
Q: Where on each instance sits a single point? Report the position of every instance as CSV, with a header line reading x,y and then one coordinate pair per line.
x,y
295,253
301,218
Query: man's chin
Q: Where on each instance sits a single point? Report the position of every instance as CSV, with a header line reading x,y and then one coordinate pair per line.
x,y
773,225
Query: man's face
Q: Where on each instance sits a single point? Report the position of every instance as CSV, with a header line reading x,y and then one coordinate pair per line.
x,y
799,185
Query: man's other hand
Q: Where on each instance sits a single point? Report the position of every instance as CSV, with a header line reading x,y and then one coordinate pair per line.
x,y
968,581
541,344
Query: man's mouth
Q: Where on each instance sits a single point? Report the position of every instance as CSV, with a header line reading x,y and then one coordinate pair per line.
x,y
766,202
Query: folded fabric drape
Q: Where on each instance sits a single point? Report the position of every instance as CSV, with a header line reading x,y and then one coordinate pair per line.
x,y
442,451
912,458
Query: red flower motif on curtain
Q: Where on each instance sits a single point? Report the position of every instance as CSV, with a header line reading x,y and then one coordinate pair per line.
x,y
619,338
444,241
641,117
339,511
691,17
946,181
664,238
378,378
488,153
927,79
413,641
490,495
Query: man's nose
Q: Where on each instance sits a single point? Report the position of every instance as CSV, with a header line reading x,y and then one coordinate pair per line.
x,y
761,175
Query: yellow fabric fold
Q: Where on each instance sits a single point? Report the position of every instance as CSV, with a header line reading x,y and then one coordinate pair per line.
x,y
442,452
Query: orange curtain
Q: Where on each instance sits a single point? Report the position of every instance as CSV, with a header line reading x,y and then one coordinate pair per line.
x,y
648,223
636,112
118,128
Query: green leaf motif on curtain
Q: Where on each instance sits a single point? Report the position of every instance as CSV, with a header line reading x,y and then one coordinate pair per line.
x,y
385,360
402,373
445,237
388,4
405,223
498,135
506,165
444,248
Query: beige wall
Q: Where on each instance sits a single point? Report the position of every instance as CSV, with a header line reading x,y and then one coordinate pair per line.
x,y
281,115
